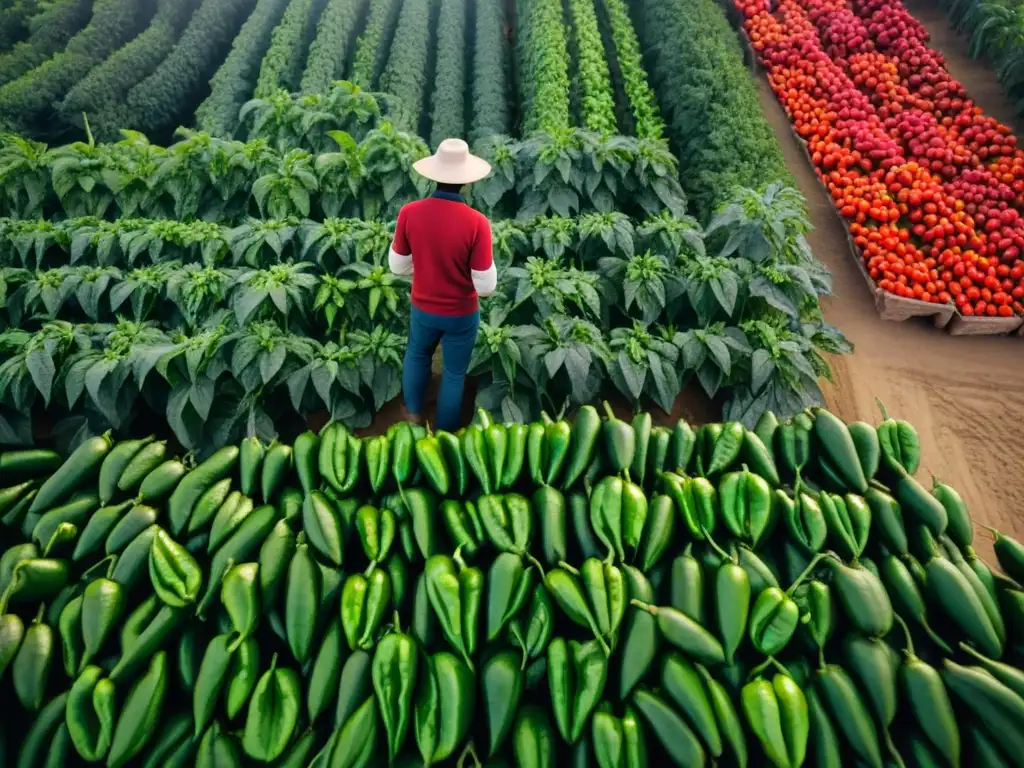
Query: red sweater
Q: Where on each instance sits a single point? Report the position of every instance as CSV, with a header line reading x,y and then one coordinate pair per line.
x,y
448,241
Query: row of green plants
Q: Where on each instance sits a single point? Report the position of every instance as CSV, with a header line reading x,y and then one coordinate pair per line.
x,y
647,122
448,103
543,62
282,66
709,101
596,99
406,75
491,82
50,26
373,44
233,84
27,102
102,93
329,51
339,164
996,31
584,303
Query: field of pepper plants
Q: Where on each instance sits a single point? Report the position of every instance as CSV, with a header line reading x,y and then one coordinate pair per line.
x,y
930,187
243,262
605,591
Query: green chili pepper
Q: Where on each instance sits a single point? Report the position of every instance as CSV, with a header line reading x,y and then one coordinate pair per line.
x,y
422,506
671,731
241,599
273,713
565,586
152,632
619,441
727,447
444,706
618,743
576,676
839,448
862,597
732,606
274,558
377,529
173,746
682,683
906,596
657,454
681,448
242,676
549,505
330,436
456,593
531,629
900,445
579,512
323,528
30,669
605,588
229,517
302,602
75,510
641,428
479,461
364,604
586,430
12,632
506,520
501,685
378,461
869,661
1010,554
558,440
773,620
69,626
952,592
306,451
684,633
250,458
640,639
657,534
697,502
325,674
140,713
213,674
431,460
746,503
217,749
606,515
509,585
778,722
339,457
687,585
848,713
515,456
729,725
805,520
537,452
758,456
533,739
869,450
759,572
276,465
394,678
174,573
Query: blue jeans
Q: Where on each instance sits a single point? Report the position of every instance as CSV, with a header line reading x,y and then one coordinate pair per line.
x,y
457,335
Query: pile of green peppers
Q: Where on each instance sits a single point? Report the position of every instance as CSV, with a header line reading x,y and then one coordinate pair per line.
x,y
601,590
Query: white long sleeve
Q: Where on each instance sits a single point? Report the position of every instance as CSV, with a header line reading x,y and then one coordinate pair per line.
x,y
399,264
486,281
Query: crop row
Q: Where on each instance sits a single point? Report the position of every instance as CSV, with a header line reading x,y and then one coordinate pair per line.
x,y
709,102
748,331
597,104
281,67
931,187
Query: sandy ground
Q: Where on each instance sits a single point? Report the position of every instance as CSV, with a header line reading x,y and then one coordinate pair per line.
x,y
964,394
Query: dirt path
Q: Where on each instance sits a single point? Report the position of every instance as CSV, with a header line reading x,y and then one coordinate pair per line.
x,y
964,394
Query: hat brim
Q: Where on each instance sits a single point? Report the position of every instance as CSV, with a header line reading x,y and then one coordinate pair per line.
x,y
471,169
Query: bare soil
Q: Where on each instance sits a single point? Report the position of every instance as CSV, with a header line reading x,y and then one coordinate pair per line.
x,y
965,395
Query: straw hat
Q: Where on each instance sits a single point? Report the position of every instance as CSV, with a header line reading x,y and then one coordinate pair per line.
x,y
453,164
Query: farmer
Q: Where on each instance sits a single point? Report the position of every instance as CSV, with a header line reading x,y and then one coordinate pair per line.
x,y
446,246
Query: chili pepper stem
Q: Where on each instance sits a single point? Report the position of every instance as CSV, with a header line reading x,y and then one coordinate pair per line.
x,y
370,568
514,631
821,658
39,614
537,564
566,567
909,650
779,666
721,552
896,757
5,597
806,572
601,642
644,607
469,751
396,622
881,408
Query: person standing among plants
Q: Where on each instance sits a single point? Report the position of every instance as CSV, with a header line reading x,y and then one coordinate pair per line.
x,y
446,246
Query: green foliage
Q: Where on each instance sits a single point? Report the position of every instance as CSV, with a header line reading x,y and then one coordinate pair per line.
x,y
544,66
648,122
283,62
14,18
709,101
449,99
51,31
405,77
329,51
28,101
490,87
597,105
168,94
102,92
233,84
374,43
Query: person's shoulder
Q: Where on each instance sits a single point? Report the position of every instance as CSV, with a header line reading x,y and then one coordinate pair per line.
x,y
478,218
